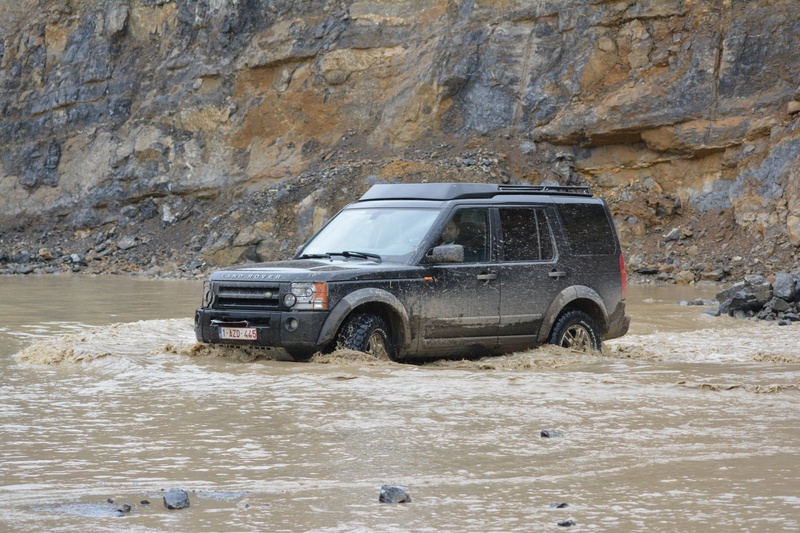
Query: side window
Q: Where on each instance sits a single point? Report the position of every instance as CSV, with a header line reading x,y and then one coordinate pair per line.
x,y
588,229
469,228
526,234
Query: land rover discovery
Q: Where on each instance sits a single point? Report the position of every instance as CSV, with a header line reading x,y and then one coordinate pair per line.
x,y
417,271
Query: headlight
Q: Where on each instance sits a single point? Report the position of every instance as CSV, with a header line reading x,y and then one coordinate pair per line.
x,y
289,299
208,294
310,295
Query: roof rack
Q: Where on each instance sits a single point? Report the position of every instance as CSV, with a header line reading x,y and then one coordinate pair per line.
x,y
453,191
582,190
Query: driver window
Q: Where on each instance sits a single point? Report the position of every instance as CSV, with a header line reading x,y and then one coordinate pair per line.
x,y
469,228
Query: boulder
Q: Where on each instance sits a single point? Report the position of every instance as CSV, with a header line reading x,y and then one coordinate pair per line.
x,y
778,305
750,295
393,494
744,301
176,499
784,286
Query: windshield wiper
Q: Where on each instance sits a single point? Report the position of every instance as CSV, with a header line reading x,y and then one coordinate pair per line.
x,y
362,255
315,256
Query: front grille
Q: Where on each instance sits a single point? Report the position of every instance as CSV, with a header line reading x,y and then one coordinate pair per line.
x,y
247,296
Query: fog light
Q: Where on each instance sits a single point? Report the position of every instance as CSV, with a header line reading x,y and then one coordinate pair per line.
x,y
291,324
289,299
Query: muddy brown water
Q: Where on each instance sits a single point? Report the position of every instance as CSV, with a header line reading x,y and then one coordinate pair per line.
x,y
689,423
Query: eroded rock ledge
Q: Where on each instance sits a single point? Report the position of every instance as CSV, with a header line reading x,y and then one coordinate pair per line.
x,y
172,135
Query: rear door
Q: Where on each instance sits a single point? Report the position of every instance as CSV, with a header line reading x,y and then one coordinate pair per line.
x,y
530,271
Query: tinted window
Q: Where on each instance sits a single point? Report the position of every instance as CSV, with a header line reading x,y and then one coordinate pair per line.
x,y
588,229
526,234
470,229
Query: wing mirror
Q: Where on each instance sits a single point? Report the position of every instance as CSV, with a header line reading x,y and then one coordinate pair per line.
x,y
446,253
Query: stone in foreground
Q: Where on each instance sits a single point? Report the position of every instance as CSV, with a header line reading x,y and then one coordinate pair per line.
x,y
393,494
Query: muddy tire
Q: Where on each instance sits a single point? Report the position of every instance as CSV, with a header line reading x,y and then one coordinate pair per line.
x,y
369,334
576,330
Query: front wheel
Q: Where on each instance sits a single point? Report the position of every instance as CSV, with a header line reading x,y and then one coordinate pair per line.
x,y
577,331
369,334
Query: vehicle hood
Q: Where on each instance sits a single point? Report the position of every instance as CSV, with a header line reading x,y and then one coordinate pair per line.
x,y
314,270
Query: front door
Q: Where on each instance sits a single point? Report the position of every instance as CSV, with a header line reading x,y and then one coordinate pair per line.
x,y
461,310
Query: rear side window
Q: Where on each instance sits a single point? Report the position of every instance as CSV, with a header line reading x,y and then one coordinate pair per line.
x,y
526,234
588,229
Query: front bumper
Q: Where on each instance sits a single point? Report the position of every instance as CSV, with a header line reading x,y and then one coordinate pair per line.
x,y
295,332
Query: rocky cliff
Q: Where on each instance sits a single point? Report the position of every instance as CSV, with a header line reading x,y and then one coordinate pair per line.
x,y
152,134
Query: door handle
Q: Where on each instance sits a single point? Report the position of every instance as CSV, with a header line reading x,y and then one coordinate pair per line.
x,y
555,274
486,277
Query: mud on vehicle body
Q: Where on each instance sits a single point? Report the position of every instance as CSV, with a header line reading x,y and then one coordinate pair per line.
x,y
434,270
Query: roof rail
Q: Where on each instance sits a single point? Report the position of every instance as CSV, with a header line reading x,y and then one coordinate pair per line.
x,y
582,190
453,191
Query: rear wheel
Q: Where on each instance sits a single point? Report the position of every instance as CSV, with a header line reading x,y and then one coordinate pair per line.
x,y
369,334
577,331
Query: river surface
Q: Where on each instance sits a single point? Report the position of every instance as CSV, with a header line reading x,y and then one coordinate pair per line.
x,y
689,423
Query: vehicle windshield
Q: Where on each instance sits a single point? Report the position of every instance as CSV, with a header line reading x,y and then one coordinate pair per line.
x,y
392,234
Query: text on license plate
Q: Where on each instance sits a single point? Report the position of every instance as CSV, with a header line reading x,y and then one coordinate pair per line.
x,y
236,334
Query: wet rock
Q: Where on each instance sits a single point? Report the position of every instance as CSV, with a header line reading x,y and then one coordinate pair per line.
x,y
125,508
550,433
758,286
567,523
750,295
778,305
176,499
559,505
698,302
756,297
784,286
745,301
393,494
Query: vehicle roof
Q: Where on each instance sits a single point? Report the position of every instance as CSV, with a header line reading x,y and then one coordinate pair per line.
x,y
456,191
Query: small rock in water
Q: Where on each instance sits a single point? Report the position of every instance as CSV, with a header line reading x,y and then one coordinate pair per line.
x,y
558,505
176,499
550,433
567,523
393,494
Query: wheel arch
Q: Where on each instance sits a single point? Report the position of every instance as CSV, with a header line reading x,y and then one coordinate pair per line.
x,y
369,300
575,297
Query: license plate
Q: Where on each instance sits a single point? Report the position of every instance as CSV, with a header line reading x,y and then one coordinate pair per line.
x,y
238,334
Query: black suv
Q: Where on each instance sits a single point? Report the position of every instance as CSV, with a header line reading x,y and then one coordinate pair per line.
x,y
434,270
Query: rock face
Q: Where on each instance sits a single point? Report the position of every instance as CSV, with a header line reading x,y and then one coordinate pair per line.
x,y
168,112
